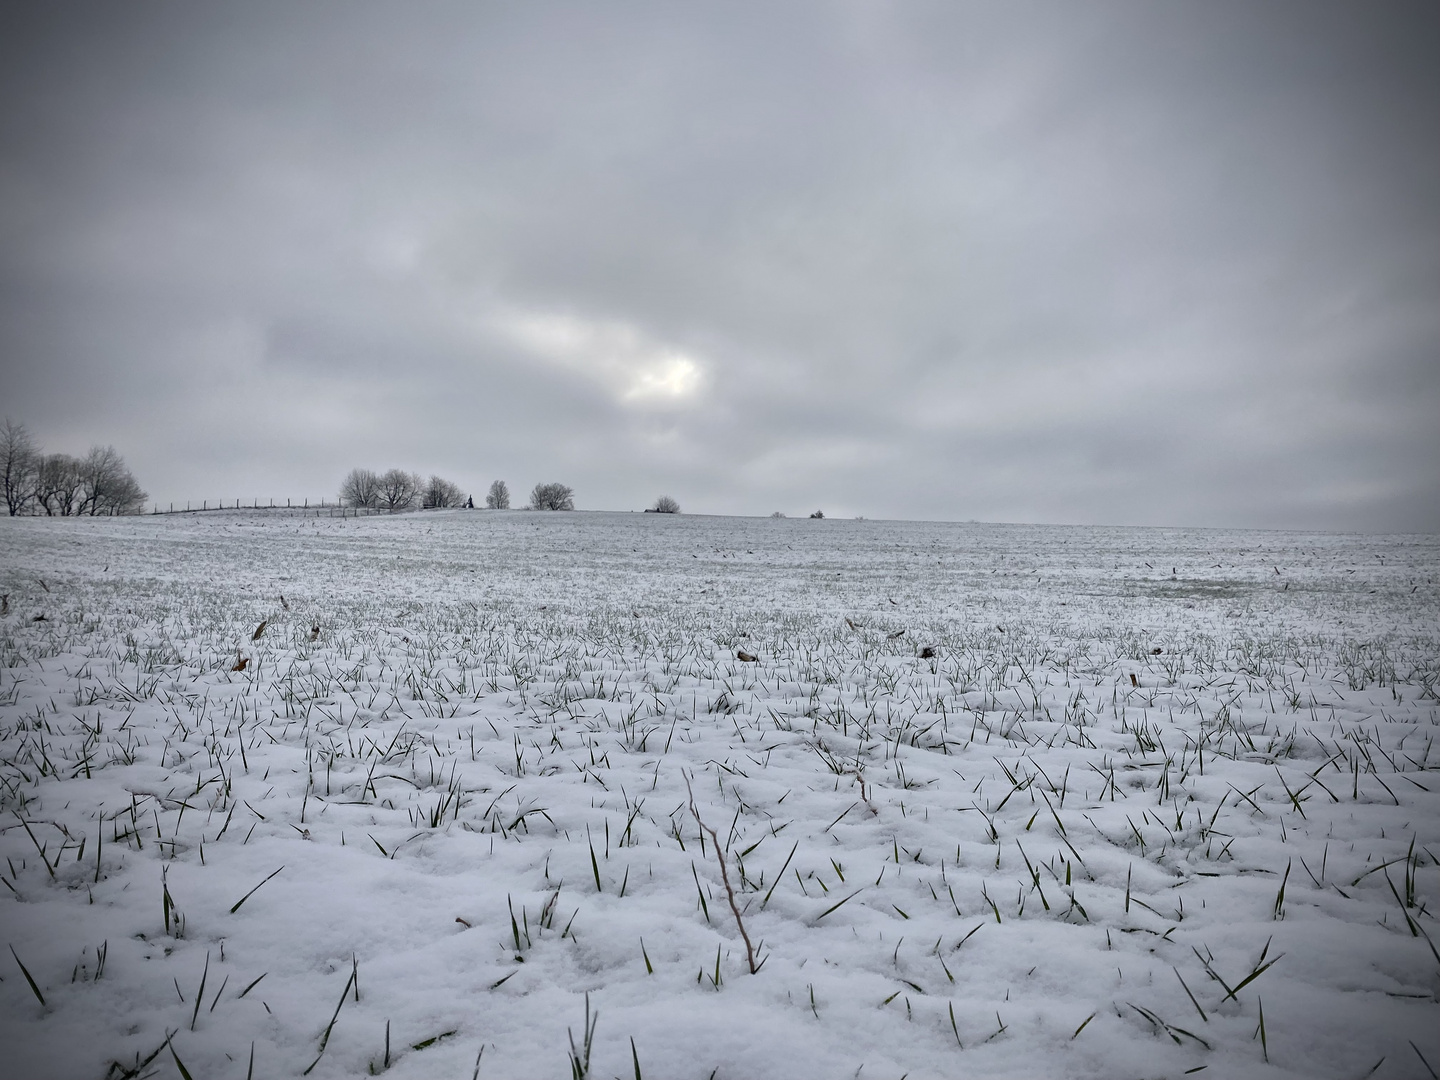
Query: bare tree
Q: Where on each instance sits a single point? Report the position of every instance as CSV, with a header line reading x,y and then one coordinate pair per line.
x,y
57,484
552,497
440,493
399,490
107,487
361,489
665,505
498,498
17,465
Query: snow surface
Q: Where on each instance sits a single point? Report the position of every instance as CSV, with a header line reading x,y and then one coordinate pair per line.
x,y
1141,765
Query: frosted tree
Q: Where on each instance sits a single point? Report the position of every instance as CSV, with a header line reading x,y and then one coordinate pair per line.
x,y
361,489
398,490
498,497
57,484
440,493
17,465
107,486
552,497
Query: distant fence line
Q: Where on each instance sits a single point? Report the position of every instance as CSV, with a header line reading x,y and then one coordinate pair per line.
x,y
322,508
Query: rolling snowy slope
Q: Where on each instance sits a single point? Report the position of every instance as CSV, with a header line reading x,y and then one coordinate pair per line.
x,y
998,801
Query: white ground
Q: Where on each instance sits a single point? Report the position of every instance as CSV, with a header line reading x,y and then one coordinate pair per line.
x,y
999,861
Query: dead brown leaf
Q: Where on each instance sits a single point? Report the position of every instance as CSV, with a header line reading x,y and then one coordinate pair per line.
x,y
746,657
259,630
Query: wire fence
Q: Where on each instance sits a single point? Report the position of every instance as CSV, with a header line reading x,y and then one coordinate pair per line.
x,y
320,508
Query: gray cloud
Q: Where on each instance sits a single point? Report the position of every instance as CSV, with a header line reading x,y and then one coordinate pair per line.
x,y
1110,263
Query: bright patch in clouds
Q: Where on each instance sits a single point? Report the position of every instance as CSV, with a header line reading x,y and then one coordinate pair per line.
x,y
630,363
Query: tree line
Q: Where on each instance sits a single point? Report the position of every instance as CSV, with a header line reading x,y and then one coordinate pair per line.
x,y
61,485
396,491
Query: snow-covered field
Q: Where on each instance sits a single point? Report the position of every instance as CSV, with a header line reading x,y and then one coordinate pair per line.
x,y
1161,801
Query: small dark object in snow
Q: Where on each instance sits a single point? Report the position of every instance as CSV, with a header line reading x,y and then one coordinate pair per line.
x,y
748,658
40,618
896,634
241,664
927,653
314,631
259,630
1134,681
1156,651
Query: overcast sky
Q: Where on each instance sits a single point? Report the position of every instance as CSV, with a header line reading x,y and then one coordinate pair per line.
x,y
1150,263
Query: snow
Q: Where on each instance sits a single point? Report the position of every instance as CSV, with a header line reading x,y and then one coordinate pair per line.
x,y
1007,859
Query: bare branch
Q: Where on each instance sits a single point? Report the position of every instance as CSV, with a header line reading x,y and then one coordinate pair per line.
x,y
725,877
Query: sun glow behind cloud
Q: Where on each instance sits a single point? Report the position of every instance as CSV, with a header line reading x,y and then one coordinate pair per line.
x,y
634,367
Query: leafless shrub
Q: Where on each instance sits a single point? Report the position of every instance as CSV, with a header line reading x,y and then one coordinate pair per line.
x,y
665,505
498,498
